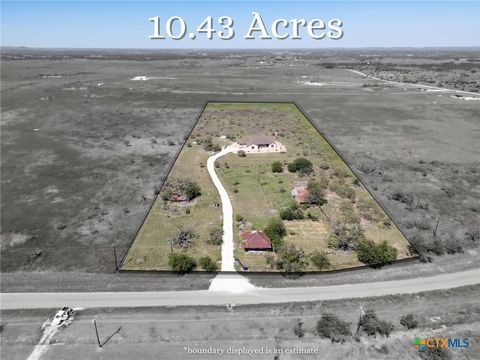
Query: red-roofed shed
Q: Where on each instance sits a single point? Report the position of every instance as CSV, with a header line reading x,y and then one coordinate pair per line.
x,y
300,193
256,240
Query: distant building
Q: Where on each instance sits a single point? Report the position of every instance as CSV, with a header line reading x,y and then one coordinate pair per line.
x,y
140,78
256,240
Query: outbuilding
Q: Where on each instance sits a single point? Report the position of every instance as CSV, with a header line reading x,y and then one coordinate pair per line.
x,y
256,240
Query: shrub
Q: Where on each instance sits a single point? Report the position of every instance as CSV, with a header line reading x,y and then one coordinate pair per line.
x,y
402,197
316,192
277,167
181,263
349,215
345,237
183,238
207,144
372,325
192,190
342,189
409,321
187,211
239,218
372,254
320,260
473,234
435,353
167,194
341,172
207,264
333,328
270,260
215,236
291,258
301,165
369,209
437,247
293,212
276,231
241,153
452,246
298,329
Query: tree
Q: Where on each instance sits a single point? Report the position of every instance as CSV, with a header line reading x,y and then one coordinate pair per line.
x,y
293,212
320,260
344,237
409,321
207,264
333,328
277,167
316,193
276,231
181,263
372,254
241,153
215,237
183,238
291,258
371,324
301,165
192,190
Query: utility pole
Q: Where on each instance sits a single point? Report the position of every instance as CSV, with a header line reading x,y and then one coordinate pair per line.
x,y
362,314
436,228
96,332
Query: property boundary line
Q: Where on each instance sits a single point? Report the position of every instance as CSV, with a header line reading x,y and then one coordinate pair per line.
x,y
414,257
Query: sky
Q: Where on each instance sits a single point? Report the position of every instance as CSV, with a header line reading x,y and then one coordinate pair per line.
x,y
125,24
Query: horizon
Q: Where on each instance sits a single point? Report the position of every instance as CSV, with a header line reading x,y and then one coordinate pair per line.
x,y
126,25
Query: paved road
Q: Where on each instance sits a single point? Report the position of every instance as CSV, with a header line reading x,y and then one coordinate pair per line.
x,y
256,296
414,85
227,245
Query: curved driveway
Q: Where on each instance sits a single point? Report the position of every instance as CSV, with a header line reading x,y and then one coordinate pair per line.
x,y
257,296
227,245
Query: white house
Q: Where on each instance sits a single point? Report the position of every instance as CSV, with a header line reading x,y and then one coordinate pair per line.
x,y
258,144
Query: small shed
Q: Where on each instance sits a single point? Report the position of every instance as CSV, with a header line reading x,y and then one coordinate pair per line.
x,y
175,197
300,193
256,240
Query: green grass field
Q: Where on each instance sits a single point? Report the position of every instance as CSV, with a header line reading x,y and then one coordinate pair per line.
x,y
257,193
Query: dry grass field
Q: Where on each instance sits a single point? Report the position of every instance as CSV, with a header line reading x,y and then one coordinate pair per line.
x,y
83,153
